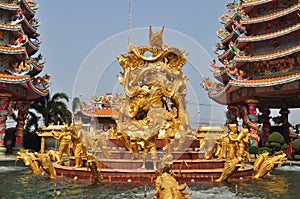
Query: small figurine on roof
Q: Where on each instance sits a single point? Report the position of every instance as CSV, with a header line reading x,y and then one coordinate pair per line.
x,y
42,82
219,47
215,66
210,86
239,28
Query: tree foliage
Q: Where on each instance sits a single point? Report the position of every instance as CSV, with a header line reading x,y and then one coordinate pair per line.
x,y
296,145
262,149
53,110
75,104
276,137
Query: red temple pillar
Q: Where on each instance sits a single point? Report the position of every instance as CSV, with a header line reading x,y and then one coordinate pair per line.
x,y
252,122
22,115
3,117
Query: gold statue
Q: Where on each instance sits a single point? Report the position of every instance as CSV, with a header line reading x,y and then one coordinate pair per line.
x,y
260,159
135,147
100,143
223,142
235,143
266,166
155,38
232,144
65,141
210,145
243,142
94,166
230,166
166,185
155,90
170,127
29,160
78,147
45,162
35,161
149,145
53,154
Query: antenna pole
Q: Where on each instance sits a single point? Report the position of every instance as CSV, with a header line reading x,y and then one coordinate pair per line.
x,y
129,22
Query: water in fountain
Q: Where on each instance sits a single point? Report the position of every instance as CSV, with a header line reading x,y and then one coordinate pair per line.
x,y
21,183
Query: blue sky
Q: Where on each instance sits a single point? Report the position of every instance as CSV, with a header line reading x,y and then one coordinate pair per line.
x,y
72,30
76,32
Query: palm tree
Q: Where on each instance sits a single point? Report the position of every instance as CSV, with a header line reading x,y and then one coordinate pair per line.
x,y
53,110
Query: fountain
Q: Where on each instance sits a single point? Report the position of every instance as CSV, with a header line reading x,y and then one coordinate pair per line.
x,y
152,132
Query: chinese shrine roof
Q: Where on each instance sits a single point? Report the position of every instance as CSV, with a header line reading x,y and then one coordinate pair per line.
x,y
10,27
9,6
262,57
248,3
233,85
272,15
271,35
20,52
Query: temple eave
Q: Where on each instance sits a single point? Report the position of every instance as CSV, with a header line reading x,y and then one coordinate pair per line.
x,y
283,87
272,16
269,56
96,115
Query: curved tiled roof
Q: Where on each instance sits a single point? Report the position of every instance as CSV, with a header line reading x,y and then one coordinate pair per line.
x,y
228,37
257,83
10,27
221,76
230,21
28,8
13,50
271,16
270,35
249,3
98,112
7,78
224,54
9,6
37,66
29,26
37,90
267,81
269,56
33,46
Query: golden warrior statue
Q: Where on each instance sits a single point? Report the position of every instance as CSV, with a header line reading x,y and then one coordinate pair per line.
x,y
65,141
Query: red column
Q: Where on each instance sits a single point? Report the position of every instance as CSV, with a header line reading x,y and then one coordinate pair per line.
x,y
252,122
22,115
3,117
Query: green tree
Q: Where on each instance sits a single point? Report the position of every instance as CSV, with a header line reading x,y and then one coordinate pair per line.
x,y
53,110
296,146
75,105
276,141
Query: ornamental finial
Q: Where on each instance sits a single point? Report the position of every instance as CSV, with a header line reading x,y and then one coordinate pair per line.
x,y
155,38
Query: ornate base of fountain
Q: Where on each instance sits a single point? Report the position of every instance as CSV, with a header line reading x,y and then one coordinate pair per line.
x,y
189,167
